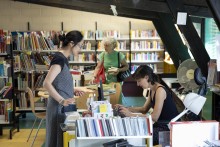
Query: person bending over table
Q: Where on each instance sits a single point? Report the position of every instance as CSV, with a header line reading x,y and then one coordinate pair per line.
x,y
160,99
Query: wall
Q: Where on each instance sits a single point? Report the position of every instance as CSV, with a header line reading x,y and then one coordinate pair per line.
x,y
15,15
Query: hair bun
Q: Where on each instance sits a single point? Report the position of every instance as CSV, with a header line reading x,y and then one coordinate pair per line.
x,y
62,37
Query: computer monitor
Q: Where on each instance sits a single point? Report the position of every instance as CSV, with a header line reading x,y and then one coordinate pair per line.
x,y
100,91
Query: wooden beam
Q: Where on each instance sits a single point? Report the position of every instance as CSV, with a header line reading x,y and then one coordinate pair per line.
x,y
214,6
96,8
171,39
143,5
197,47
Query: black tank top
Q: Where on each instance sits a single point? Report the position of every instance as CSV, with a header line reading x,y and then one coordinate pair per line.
x,y
169,110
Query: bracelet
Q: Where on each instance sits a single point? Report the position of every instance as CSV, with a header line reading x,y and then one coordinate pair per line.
x,y
61,101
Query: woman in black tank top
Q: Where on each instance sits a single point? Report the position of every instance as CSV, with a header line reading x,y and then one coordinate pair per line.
x,y
160,99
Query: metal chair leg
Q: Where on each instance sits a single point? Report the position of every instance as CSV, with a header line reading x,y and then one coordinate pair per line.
x,y
32,129
37,132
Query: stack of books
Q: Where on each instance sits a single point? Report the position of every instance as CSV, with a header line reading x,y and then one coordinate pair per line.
x,y
115,126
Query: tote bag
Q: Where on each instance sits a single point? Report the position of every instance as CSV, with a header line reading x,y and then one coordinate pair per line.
x,y
101,73
124,74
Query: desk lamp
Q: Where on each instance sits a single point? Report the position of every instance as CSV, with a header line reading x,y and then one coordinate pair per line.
x,y
192,102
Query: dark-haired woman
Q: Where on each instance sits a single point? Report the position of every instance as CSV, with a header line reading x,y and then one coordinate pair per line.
x,y
160,99
59,84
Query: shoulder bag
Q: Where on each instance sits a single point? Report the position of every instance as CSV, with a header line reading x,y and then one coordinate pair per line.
x,y
124,74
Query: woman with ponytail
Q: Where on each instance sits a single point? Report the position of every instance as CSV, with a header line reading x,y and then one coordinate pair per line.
x,y
160,99
59,84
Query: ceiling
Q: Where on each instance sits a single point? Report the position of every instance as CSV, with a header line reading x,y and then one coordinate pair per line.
x,y
146,9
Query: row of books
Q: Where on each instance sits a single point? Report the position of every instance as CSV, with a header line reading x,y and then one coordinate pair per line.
x,y
33,41
6,91
152,56
22,100
116,126
5,40
3,67
144,33
120,45
87,45
83,57
153,66
108,33
39,81
23,80
88,34
136,45
6,111
32,61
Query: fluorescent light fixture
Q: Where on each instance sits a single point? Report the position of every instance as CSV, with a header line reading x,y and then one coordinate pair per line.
x,y
113,7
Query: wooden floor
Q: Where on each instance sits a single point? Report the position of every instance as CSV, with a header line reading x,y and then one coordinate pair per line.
x,y
20,138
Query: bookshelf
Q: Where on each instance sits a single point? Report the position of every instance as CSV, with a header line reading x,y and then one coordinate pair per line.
x,y
101,130
7,99
33,51
32,55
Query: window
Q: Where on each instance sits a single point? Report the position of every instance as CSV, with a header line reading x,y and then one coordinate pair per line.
x,y
211,30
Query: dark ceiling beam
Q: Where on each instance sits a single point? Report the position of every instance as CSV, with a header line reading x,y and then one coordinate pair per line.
x,y
200,3
143,5
197,47
171,38
214,6
95,8
198,11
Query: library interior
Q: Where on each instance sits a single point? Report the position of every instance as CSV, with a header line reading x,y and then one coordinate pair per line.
x,y
112,73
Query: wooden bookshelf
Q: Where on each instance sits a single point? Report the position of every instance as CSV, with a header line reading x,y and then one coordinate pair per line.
x,y
114,137
146,38
147,50
3,77
82,62
146,62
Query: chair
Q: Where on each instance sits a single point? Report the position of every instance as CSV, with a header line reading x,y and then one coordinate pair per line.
x,y
114,98
40,115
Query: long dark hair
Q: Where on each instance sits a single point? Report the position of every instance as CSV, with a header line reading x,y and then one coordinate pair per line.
x,y
72,36
144,70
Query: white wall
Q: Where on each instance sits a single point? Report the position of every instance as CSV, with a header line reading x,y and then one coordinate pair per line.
x,y
15,15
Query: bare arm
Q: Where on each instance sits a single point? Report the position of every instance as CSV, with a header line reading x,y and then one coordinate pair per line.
x,y
159,101
124,66
52,74
97,68
144,109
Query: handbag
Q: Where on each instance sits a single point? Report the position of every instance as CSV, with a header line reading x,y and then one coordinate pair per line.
x,y
124,74
101,74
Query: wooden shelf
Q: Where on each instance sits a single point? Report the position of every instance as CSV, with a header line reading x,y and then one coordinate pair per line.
x,y
114,137
35,51
147,50
84,50
4,122
82,62
30,71
147,38
3,54
4,100
115,38
89,39
3,77
126,50
147,62
29,109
